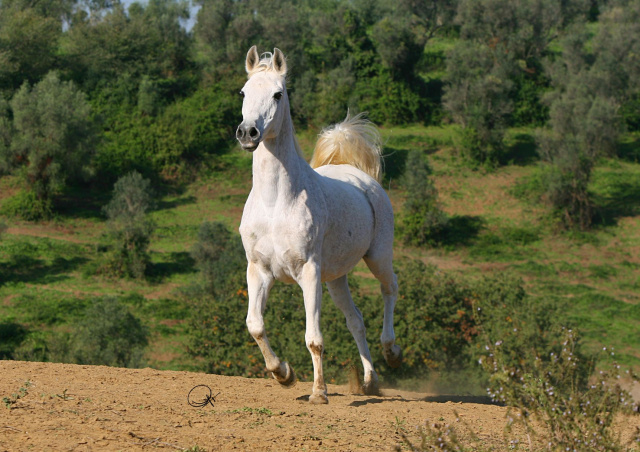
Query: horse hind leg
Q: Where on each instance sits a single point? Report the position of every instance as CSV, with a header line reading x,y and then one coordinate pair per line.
x,y
339,291
259,286
382,269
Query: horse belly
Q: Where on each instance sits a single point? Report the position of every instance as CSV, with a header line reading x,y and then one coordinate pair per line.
x,y
347,240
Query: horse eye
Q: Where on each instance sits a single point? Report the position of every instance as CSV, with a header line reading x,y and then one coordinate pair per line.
x,y
278,95
241,93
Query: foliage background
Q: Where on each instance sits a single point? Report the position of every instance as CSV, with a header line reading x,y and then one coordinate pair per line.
x,y
511,156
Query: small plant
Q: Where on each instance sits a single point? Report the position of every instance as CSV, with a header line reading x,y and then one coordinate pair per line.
x,y
577,412
261,410
22,392
436,436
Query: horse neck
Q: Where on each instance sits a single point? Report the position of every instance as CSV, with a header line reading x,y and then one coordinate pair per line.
x,y
279,172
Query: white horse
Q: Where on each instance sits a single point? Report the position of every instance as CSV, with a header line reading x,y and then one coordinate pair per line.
x,y
312,226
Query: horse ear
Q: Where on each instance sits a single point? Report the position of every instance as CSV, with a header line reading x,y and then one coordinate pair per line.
x,y
252,59
279,62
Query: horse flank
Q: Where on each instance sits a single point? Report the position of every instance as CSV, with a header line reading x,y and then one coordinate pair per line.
x,y
354,141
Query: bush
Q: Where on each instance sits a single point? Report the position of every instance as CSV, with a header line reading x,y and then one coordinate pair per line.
x,y
180,134
536,366
104,333
550,400
26,205
435,323
125,253
554,389
219,256
435,317
423,222
109,335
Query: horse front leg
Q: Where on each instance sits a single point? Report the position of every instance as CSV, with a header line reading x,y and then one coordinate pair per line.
x,y
259,284
312,291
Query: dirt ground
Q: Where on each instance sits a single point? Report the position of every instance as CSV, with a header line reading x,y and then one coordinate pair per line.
x,y
50,406
71,407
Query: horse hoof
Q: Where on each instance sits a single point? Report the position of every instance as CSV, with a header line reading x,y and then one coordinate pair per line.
x,y
319,399
289,379
371,388
394,356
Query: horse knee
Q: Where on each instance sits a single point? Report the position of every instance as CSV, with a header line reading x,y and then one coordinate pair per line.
x,y
255,327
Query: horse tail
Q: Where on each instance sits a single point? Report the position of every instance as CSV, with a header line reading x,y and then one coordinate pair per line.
x,y
354,141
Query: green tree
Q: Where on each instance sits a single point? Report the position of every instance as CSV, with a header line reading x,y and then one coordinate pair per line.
x,y
29,36
53,136
181,134
592,80
130,230
145,40
495,74
6,130
478,97
423,222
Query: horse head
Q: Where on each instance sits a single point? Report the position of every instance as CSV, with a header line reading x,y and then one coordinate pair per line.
x,y
265,102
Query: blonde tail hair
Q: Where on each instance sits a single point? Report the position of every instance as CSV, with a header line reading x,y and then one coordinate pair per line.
x,y
354,141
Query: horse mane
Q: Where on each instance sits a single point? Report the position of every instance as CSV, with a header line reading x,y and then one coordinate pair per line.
x,y
354,141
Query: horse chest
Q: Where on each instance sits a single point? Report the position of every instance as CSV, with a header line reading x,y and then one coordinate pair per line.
x,y
277,244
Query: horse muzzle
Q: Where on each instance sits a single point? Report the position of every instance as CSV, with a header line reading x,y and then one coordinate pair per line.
x,y
249,137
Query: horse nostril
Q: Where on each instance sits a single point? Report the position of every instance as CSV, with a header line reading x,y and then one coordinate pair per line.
x,y
253,133
240,133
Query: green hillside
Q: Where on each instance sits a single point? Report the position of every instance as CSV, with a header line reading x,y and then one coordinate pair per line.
x,y
49,268
511,155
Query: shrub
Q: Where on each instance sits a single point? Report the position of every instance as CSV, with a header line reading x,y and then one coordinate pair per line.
x,y
11,335
180,134
554,389
109,335
125,253
423,222
26,205
219,256
537,368
435,323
